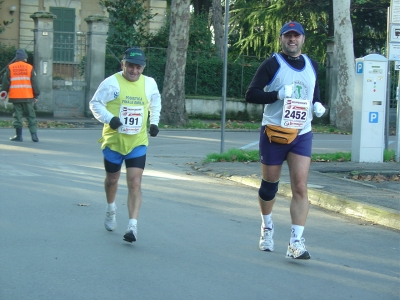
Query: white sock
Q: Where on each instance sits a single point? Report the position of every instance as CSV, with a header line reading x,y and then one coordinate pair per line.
x,y
267,221
297,233
111,207
132,222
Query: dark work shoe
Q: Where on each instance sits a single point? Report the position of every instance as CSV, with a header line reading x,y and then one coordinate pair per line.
x,y
131,234
17,138
34,137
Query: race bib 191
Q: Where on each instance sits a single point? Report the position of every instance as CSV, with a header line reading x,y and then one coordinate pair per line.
x,y
131,118
295,113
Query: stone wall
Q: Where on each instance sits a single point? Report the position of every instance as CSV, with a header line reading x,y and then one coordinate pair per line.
x,y
234,108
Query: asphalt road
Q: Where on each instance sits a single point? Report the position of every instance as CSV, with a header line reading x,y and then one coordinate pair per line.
x,y
197,235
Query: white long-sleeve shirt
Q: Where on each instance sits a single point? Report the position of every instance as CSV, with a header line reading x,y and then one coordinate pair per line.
x,y
109,90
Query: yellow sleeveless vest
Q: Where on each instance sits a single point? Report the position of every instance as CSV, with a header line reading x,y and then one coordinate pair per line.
x,y
132,94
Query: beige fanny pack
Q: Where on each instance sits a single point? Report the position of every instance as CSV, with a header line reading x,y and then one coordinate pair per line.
x,y
281,135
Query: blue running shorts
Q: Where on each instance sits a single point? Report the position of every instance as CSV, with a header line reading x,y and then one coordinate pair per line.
x,y
275,154
117,158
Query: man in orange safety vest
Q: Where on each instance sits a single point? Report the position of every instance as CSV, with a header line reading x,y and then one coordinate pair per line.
x,y
21,85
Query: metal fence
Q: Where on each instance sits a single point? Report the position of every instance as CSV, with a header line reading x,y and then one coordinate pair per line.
x,y
203,70
69,50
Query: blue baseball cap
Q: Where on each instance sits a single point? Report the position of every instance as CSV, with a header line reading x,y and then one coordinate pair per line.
x,y
292,26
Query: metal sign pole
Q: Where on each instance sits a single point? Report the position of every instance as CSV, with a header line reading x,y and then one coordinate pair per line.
x,y
397,150
387,109
393,53
223,111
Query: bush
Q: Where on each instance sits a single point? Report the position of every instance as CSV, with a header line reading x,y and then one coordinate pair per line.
x,y
7,54
203,75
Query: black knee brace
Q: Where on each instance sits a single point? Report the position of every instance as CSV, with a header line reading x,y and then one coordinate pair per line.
x,y
268,190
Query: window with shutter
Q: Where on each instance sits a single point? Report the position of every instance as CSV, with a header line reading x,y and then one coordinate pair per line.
x,y
64,34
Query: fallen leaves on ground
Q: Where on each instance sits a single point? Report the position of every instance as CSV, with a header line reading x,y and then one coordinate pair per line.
x,y
376,177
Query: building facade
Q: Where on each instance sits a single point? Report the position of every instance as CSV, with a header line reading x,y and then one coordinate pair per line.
x,y
70,17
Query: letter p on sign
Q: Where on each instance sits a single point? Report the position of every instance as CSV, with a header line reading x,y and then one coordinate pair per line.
x,y
359,67
373,117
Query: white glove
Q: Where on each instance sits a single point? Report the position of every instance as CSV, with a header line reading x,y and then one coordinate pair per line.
x,y
285,92
319,109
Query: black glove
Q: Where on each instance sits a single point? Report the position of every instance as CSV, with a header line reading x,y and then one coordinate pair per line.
x,y
115,123
154,130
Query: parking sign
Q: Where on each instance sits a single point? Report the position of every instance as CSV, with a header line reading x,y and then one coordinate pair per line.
x,y
373,117
359,67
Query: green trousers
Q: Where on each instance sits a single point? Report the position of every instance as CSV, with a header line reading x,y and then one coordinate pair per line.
x,y
25,109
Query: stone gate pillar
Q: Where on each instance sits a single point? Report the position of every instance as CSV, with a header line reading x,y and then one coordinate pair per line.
x,y
43,57
95,56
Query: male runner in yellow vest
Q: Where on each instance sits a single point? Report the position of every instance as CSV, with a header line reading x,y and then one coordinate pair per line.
x,y
21,84
123,102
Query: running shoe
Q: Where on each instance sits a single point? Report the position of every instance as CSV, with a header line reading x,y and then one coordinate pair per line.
x,y
298,250
110,223
266,241
131,234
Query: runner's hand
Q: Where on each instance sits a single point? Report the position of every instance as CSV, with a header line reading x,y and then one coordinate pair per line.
x,y
115,123
153,130
285,92
319,109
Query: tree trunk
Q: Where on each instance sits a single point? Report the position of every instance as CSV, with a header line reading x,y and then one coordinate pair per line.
x,y
218,25
173,95
331,65
346,64
331,83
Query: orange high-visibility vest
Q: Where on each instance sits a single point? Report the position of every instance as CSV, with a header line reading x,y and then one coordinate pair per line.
x,y
20,80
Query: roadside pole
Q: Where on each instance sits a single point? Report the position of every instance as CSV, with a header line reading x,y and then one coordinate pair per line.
x,y
393,54
224,84
397,150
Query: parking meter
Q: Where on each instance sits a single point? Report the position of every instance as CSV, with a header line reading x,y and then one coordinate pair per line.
x,y
369,109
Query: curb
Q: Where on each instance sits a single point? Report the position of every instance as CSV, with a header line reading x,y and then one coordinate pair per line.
x,y
346,206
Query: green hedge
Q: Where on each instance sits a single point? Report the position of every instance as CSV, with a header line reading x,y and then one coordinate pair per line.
x,y
203,76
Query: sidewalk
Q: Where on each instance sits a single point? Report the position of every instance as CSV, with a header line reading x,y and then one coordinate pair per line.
x,y
330,187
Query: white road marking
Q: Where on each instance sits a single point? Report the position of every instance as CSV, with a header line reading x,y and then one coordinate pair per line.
x,y
163,175
249,145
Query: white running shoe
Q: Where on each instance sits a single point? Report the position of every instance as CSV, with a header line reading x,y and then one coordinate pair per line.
x,y
110,223
266,241
298,250
131,234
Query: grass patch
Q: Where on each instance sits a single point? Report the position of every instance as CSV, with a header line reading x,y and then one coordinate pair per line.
x,y
389,155
44,124
233,155
338,156
318,128
238,155
214,124
195,123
